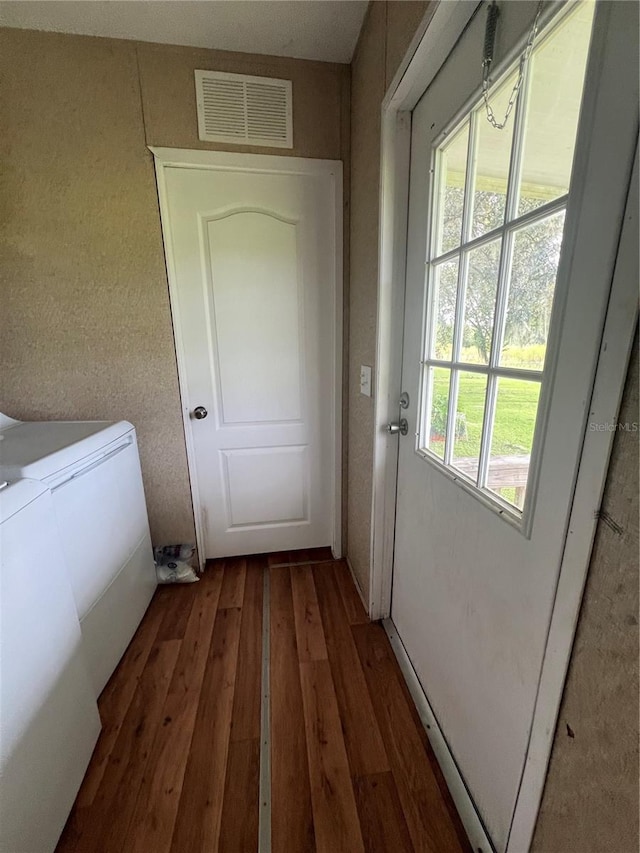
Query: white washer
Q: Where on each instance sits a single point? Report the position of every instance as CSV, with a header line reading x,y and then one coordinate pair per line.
x,y
49,719
93,471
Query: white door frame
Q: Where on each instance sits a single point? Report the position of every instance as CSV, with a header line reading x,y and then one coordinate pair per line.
x,y
428,51
331,170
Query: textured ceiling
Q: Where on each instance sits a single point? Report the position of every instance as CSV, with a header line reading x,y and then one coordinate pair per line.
x,y
307,29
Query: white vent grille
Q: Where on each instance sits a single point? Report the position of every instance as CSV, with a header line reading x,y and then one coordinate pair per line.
x,y
245,110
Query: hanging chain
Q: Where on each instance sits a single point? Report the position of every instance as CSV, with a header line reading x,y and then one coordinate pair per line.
x,y
488,59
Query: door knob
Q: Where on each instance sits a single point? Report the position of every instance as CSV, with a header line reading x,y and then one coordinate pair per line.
x,y
402,427
199,413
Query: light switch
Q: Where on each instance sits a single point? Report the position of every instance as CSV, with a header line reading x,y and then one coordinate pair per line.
x,y
365,380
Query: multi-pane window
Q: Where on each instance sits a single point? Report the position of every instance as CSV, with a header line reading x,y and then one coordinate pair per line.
x,y
497,226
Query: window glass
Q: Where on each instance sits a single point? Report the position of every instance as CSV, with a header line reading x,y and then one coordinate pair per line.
x,y
492,163
479,302
557,69
490,304
512,440
438,395
453,165
445,287
467,435
534,266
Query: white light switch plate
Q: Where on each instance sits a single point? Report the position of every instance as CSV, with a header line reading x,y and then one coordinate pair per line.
x,y
365,380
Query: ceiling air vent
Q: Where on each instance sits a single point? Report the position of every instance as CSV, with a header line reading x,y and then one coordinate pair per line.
x,y
245,110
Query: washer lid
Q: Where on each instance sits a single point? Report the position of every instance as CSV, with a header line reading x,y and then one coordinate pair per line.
x,y
17,495
38,449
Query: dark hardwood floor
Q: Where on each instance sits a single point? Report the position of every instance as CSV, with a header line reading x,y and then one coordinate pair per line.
x,y
177,765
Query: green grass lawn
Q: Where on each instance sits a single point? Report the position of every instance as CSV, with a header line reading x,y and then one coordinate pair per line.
x,y
516,408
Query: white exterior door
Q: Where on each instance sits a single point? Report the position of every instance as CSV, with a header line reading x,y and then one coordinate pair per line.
x,y
501,337
252,249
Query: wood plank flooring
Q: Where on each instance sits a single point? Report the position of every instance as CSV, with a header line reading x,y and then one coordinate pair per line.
x,y
176,768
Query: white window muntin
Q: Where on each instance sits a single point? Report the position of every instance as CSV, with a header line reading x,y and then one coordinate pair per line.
x,y
511,224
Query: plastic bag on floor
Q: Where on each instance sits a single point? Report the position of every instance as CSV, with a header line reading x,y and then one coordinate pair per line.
x,y
172,565
165,553
176,573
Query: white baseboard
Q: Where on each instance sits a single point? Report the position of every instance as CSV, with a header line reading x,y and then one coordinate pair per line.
x,y
476,832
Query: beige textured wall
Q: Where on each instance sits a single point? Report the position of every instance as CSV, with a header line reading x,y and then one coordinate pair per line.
x,y
85,314
590,801
403,18
385,37
166,72
86,328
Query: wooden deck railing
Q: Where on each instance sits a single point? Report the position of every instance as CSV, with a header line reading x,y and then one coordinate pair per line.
x,y
505,472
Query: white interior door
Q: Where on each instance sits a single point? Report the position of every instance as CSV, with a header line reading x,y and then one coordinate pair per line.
x,y
252,247
501,338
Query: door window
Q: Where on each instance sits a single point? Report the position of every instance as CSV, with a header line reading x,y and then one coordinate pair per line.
x,y
498,212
